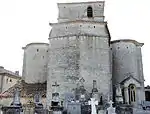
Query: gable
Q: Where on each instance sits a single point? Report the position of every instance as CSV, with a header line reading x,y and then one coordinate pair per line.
x,y
131,80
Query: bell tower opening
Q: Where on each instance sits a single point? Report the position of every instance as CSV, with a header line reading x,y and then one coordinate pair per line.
x,y
89,12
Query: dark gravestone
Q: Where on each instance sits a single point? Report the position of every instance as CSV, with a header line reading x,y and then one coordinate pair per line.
x,y
85,109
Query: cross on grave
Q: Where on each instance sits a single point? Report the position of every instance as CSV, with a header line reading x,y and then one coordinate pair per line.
x,y
55,85
93,102
111,103
111,110
81,82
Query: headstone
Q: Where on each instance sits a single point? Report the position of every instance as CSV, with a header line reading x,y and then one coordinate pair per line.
x,y
55,85
101,112
94,86
119,98
69,97
85,109
111,110
16,98
146,105
38,104
73,108
16,107
55,95
93,102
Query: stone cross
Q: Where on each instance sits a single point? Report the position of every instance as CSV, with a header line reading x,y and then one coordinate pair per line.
x,y
55,85
93,102
111,110
111,103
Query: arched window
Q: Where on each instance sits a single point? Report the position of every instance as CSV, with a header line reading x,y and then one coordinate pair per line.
x,y
89,12
132,94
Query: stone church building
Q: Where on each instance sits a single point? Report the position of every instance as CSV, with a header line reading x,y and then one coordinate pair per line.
x,y
81,59
80,52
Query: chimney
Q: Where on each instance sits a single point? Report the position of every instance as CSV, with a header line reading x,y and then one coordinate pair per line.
x,y
1,67
17,73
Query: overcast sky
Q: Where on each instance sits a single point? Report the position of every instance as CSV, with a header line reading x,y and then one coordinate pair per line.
x,y
26,21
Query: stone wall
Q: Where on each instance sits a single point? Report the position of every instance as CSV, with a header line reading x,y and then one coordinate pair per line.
x,y
35,63
78,11
74,57
8,82
84,28
126,61
1,83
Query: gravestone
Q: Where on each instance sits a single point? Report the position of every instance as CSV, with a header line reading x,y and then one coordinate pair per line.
x,y
93,102
146,105
15,107
119,98
74,108
111,110
38,104
101,112
69,97
29,108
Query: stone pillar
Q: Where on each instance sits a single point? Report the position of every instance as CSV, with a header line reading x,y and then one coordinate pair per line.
x,y
126,95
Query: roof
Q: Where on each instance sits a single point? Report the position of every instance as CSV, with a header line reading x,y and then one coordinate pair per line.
x,y
27,90
128,78
34,43
147,87
81,2
8,73
128,40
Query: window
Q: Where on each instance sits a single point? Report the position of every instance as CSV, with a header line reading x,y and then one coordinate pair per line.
x,y
132,94
37,50
101,101
89,12
7,80
10,80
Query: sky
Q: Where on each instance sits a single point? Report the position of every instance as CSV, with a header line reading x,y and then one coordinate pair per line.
x,y
26,21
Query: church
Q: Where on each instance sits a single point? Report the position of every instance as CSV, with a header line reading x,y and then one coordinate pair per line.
x,y
81,61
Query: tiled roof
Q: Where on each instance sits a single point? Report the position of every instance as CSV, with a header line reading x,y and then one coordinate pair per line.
x,y
27,90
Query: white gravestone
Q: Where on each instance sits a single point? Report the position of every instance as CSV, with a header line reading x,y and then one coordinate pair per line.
x,y
111,110
93,102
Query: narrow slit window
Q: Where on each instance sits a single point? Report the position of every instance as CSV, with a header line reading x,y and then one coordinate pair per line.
x,y
89,12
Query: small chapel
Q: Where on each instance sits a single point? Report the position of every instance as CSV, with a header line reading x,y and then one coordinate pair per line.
x,y
81,62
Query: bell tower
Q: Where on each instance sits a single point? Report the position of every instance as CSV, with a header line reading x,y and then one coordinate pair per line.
x,y
79,48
